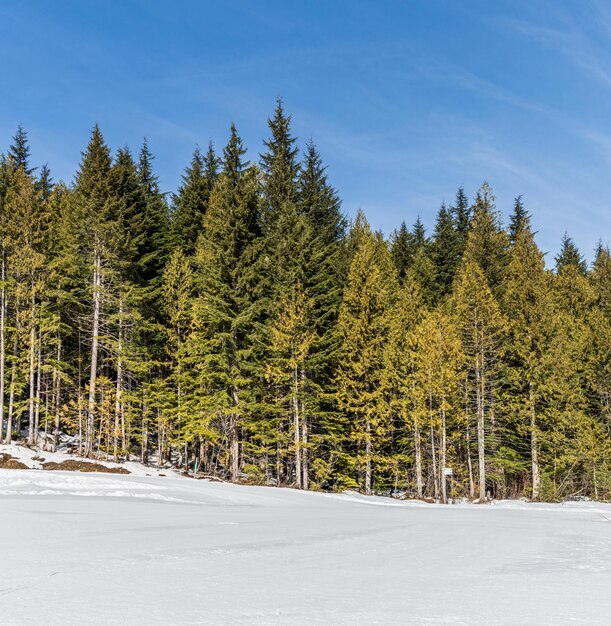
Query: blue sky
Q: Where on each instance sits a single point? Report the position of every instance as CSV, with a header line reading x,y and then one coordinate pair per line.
x,y
406,100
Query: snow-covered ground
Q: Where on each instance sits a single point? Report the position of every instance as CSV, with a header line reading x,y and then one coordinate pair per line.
x,y
112,549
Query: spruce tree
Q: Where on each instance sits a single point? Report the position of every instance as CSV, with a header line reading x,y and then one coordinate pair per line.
x,y
569,256
529,309
191,204
461,214
481,325
223,315
519,218
444,252
364,324
19,151
401,250
487,242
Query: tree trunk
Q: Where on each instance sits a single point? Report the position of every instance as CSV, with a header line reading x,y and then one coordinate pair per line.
x,y
534,450
234,443
119,387
435,472
305,479
2,337
418,450
481,449
368,457
56,391
442,454
97,283
38,388
32,435
297,429
470,464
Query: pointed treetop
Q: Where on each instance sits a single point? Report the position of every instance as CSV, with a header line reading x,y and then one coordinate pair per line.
x,y
95,163
461,211
211,164
520,218
145,169
318,200
279,163
19,150
419,233
233,165
569,256
44,184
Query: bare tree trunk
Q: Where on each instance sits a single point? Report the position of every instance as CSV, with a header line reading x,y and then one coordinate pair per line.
x,y
418,450
368,457
56,391
38,387
534,450
119,386
97,283
481,448
470,465
434,457
305,478
442,454
11,397
297,429
2,337
234,443
32,435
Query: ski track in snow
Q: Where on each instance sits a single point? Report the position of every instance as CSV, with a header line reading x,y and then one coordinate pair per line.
x,y
136,549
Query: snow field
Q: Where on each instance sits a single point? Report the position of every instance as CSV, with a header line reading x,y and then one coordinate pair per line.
x,y
117,549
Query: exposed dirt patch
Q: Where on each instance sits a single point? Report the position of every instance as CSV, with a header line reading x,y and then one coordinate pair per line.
x,y
83,466
10,462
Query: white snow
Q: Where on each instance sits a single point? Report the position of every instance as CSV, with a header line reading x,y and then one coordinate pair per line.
x,y
114,549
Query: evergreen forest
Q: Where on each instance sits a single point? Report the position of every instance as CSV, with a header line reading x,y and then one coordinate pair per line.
x,y
242,328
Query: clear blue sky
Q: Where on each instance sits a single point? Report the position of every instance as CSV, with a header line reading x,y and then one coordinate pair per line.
x,y
407,100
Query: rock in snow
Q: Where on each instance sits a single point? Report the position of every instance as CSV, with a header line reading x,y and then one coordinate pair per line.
x,y
114,549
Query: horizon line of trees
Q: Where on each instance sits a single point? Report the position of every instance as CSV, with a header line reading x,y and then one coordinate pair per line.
x,y
243,328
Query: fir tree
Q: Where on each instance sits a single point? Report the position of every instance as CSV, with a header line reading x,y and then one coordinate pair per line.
x,y
444,252
569,256
519,218
401,250
481,325
364,323
461,214
191,204
19,151
487,242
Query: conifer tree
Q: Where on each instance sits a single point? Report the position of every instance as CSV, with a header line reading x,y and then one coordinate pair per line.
x,y
191,201
19,151
364,323
401,250
444,252
95,225
529,309
487,242
569,256
438,364
401,388
519,218
279,165
224,306
480,325
154,245
461,214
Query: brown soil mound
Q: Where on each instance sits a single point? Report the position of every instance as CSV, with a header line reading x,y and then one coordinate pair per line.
x,y
83,466
10,462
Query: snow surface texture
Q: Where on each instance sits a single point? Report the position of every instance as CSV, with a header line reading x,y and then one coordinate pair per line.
x,y
114,549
